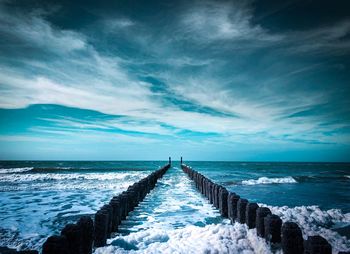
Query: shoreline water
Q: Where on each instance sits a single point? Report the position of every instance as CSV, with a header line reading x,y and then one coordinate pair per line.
x,y
31,198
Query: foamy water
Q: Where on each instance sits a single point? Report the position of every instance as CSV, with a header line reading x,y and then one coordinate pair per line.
x,y
214,238
14,170
36,205
266,180
174,217
314,221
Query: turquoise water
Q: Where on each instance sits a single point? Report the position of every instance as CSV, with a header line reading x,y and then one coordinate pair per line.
x,y
293,184
38,198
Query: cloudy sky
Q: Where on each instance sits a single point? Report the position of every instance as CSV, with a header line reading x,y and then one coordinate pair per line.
x,y
209,80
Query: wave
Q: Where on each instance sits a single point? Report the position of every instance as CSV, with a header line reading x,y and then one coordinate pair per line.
x,y
83,169
14,170
23,178
267,180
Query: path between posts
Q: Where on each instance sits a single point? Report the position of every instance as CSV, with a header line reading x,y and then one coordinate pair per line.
x,y
176,218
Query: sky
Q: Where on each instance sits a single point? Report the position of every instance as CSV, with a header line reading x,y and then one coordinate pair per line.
x,y
144,80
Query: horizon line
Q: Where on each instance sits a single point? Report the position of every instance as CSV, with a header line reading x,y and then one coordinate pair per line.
x,y
237,161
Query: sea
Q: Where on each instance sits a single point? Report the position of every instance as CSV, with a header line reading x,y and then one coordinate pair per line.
x,y
38,198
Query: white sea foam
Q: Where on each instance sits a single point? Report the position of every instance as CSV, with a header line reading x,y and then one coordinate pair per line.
x,y
29,217
158,233
314,221
172,204
266,180
14,170
175,219
226,238
220,238
18,178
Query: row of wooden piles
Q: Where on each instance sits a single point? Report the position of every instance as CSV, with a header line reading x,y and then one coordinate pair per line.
x,y
285,235
88,233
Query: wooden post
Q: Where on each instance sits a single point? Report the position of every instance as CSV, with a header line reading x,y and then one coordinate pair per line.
x,y
101,227
317,245
232,200
72,232
292,239
241,207
273,224
250,214
55,245
86,226
261,213
223,201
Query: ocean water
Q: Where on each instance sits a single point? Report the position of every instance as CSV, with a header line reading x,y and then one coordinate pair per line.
x,y
38,198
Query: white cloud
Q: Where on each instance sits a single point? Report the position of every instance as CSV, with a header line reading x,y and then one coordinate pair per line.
x,y
209,21
74,135
23,138
84,78
143,126
330,39
215,20
120,95
32,30
118,23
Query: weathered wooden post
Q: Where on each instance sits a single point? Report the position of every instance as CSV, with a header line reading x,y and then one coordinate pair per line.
x,y
317,245
203,185
261,213
211,196
86,226
73,235
223,193
232,200
131,199
292,239
124,203
115,204
108,209
55,245
241,208
207,188
101,227
273,224
200,183
79,238
250,215
214,194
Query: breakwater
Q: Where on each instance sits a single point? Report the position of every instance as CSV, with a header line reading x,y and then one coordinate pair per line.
x,y
88,233
281,235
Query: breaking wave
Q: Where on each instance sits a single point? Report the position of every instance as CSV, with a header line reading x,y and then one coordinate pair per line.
x,y
266,180
14,170
21,178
